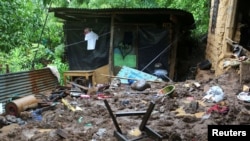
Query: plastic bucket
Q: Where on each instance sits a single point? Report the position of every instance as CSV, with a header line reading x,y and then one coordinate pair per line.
x,y
167,91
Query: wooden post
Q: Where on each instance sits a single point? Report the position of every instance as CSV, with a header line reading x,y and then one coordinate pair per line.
x,y
231,24
173,52
111,48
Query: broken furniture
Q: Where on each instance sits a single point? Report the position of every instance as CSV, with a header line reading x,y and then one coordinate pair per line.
x,y
21,84
147,131
88,75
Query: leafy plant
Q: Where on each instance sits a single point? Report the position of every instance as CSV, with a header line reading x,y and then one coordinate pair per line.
x,y
20,23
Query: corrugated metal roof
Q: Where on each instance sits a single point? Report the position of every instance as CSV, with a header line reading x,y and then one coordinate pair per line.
x,y
78,14
121,11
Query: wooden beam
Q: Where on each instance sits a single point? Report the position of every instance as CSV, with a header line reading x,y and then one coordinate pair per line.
x,y
111,48
231,24
77,85
173,53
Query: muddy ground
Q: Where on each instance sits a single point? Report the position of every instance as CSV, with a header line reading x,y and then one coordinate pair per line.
x,y
179,117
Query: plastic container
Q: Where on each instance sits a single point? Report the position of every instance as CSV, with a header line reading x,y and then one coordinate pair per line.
x,y
167,91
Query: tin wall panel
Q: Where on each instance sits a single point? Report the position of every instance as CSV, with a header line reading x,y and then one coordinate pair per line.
x,y
20,84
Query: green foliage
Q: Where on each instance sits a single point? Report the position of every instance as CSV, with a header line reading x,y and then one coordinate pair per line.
x,y
19,59
122,4
59,51
25,43
199,9
53,34
19,23
61,66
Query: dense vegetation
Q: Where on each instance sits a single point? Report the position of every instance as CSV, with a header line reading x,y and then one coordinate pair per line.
x,y
31,38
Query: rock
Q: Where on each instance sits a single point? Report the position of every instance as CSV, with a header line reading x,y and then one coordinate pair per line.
x,y
140,85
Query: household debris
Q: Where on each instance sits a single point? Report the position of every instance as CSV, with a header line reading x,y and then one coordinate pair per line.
x,y
244,96
140,85
181,117
214,94
238,54
130,73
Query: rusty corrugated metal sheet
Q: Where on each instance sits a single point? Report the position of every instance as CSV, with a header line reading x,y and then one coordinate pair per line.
x,y
21,84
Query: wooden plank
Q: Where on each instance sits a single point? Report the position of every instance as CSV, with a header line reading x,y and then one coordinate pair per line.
x,y
100,79
77,85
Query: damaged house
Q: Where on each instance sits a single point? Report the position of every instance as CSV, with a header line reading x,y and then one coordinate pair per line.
x,y
229,33
137,38
140,39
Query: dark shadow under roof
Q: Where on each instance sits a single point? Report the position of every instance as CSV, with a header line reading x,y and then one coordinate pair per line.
x,y
136,14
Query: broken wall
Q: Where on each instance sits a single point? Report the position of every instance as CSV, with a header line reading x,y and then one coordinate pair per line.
x,y
220,27
229,21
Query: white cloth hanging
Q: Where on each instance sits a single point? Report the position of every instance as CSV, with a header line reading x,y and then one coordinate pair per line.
x,y
91,38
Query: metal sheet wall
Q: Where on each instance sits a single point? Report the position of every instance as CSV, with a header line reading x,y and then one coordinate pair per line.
x,y
20,84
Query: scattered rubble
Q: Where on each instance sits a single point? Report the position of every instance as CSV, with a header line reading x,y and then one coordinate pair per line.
x,y
184,116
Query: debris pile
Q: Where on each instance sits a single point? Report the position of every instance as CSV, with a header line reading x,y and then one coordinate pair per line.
x,y
180,113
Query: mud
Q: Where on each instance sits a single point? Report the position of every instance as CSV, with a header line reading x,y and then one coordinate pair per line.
x,y
179,117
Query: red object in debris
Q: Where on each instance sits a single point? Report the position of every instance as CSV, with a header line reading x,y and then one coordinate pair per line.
x,y
218,108
102,96
84,96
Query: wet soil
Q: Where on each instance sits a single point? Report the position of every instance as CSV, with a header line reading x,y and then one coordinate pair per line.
x,y
179,117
